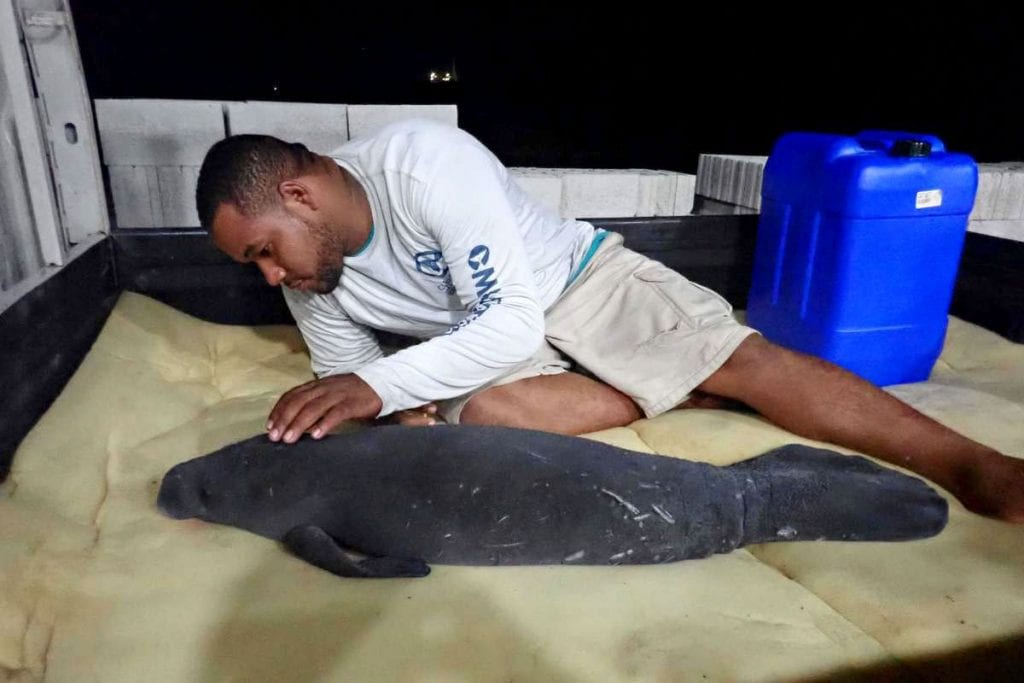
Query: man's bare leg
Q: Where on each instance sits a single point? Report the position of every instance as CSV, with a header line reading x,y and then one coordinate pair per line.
x,y
818,400
566,403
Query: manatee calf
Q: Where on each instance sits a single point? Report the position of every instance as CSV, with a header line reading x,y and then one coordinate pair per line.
x,y
401,497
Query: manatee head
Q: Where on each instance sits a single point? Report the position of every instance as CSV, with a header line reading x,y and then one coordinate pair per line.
x,y
253,484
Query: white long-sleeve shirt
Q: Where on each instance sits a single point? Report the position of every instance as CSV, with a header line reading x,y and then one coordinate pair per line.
x,y
459,256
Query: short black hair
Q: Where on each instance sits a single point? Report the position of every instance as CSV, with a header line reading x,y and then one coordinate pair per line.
x,y
245,170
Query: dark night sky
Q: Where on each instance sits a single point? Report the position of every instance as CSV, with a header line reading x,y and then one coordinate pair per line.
x,y
636,86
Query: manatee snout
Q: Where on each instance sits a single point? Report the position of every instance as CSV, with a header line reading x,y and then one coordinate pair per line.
x,y
178,498
926,512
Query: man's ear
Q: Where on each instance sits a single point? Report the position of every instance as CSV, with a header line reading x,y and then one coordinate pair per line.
x,y
297,194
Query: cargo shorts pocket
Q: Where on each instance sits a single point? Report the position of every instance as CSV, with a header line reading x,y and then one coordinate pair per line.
x,y
696,305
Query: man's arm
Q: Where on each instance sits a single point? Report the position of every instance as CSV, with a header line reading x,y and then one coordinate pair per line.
x,y
337,346
465,208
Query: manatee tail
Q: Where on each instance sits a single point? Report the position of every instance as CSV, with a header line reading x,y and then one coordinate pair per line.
x,y
799,493
316,546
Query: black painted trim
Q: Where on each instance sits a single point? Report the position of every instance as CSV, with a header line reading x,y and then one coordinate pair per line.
x,y
45,335
715,251
990,286
183,268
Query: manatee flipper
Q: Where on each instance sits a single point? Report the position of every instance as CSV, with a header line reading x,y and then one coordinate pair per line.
x,y
800,493
316,546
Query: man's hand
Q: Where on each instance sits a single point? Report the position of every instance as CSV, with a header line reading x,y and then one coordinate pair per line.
x,y
319,406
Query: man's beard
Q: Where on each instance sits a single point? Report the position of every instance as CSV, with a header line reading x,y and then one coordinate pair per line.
x,y
330,254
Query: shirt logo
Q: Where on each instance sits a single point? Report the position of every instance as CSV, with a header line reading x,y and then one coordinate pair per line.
x,y
431,263
486,284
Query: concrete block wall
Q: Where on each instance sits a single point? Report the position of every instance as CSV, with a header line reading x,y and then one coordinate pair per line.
x,y
153,150
730,181
543,184
612,193
999,205
320,127
364,119
732,184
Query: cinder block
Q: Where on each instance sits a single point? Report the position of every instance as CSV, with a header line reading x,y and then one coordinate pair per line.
x,y
708,171
158,132
366,119
730,189
130,188
984,198
749,191
1007,229
657,192
1000,193
1009,199
544,185
177,187
686,184
320,127
588,193
731,179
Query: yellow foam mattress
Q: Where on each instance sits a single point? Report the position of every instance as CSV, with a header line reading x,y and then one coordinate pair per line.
x,y
97,585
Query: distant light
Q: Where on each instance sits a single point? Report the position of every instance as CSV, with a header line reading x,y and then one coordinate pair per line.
x,y
446,77
433,76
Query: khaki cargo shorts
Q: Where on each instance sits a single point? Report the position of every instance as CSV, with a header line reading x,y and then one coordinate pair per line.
x,y
634,324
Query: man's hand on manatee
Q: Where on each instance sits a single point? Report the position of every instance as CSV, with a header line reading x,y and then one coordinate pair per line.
x,y
319,406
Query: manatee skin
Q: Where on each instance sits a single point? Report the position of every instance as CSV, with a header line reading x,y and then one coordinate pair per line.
x,y
477,495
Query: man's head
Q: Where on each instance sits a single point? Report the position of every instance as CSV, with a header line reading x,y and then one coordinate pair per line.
x,y
290,211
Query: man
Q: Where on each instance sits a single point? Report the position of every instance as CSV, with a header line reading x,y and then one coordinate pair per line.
x,y
419,230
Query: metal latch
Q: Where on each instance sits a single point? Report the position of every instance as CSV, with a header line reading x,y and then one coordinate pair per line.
x,y
45,19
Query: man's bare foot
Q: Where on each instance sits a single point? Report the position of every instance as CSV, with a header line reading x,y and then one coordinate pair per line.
x,y
424,416
993,486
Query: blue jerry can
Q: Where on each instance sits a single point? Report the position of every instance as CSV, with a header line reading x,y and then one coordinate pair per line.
x,y
858,246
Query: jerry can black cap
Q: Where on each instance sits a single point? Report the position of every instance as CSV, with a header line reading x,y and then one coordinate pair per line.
x,y
911,148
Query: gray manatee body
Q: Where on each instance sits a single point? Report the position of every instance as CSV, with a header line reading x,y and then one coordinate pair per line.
x,y
472,495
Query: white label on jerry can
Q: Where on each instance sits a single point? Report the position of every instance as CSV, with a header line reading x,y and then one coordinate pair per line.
x,y
927,199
